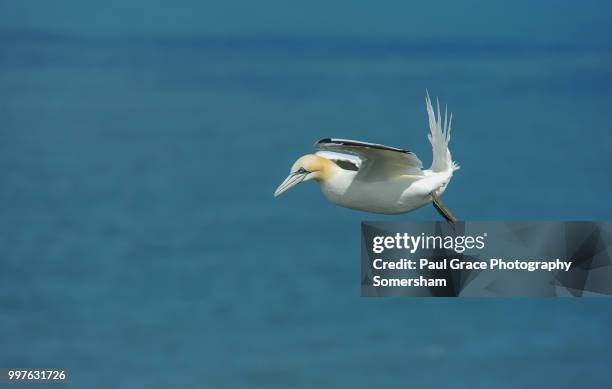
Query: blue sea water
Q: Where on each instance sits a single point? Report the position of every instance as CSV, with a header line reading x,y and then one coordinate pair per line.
x,y
141,142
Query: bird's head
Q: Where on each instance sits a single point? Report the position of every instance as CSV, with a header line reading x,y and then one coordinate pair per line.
x,y
306,168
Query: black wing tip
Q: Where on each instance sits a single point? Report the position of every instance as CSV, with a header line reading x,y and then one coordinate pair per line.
x,y
354,143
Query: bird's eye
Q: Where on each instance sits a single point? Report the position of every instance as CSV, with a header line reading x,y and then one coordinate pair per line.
x,y
302,170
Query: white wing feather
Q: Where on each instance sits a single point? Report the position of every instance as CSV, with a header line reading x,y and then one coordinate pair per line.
x,y
334,156
439,137
377,162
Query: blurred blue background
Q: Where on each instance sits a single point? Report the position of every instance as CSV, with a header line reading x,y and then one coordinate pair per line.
x,y
141,142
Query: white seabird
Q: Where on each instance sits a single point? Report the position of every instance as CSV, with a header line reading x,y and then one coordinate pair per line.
x,y
380,179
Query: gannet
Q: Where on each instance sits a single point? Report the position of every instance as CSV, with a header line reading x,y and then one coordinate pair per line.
x,y
380,179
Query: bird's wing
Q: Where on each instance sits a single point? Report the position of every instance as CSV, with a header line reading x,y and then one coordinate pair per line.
x,y
378,162
344,160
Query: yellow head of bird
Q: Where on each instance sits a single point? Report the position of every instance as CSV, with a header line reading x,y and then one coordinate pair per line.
x,y
306,168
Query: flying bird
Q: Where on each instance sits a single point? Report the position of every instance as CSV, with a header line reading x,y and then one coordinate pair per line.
x,y
380,179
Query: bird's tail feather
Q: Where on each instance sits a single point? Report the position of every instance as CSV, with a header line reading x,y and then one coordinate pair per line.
x,y
439,137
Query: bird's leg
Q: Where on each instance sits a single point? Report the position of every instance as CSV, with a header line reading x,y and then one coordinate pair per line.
x,y
442,210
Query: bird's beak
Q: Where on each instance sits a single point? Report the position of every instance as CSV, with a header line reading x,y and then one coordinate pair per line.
x,y
292,180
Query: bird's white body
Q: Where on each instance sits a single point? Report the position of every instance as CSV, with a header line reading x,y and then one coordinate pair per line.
x,y
399,195
376,178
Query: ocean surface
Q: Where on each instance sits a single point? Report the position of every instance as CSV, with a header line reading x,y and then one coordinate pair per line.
x,y
141,142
